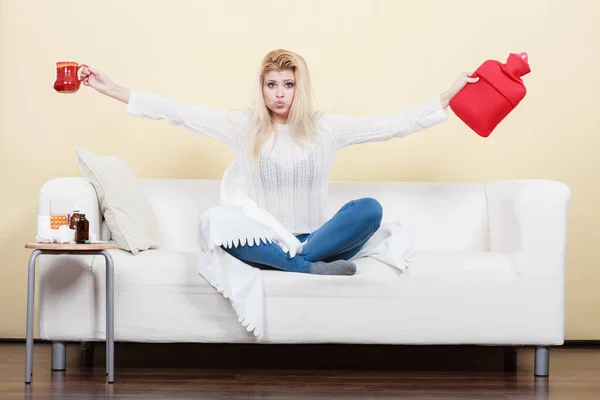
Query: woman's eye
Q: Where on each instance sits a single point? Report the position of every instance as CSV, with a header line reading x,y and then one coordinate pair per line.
x,y
271,85
289,85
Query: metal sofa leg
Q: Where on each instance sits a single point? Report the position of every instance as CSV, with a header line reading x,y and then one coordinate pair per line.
x,y
59,356
542,361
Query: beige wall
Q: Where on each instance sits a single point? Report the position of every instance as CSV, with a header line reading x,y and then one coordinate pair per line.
x,y
366,57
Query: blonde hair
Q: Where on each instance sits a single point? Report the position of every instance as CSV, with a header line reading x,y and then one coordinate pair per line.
x,y
302,119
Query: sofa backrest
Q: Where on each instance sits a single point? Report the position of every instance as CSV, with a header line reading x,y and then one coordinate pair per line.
x,y
440,216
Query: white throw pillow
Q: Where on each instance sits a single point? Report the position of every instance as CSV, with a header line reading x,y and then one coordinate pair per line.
x,y
123,202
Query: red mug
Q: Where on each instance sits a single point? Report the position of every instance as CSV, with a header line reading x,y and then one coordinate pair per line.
x,y
67,76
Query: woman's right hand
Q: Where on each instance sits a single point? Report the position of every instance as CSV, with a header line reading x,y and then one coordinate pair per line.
x,y
97,80
102,83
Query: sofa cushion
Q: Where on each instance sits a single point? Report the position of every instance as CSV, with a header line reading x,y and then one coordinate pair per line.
x,y
123,202
439,215
159,297
373,278
461,265
444,297
179,204
376,279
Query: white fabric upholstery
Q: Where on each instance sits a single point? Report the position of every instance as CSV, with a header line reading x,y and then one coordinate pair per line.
x,y
488,268
442,216
178,205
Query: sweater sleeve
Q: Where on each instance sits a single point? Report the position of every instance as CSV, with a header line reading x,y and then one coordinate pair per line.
x,y
222,125
349,130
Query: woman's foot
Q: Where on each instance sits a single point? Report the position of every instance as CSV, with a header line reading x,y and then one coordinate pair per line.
x,y
338,267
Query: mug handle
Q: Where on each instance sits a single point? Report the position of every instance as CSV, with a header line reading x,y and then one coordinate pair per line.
x,y
78,68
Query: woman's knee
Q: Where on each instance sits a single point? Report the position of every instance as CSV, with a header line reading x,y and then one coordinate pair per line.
x,y
371,210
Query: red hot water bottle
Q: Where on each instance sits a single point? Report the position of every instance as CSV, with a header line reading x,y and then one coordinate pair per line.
x,y
484,104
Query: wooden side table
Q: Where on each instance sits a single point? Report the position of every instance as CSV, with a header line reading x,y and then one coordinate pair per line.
x,y
87,249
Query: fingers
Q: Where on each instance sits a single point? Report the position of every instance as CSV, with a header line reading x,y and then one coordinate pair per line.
x,y
94,71
87,71
85,74
468,78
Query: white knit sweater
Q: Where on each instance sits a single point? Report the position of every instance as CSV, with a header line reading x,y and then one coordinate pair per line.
x,y
290,182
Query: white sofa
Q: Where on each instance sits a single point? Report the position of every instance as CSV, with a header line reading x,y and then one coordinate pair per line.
x,y
488,269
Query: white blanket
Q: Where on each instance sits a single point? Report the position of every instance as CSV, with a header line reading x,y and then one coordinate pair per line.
x,y
239,221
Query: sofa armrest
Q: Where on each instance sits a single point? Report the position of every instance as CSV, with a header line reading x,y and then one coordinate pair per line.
x,y
77,192
528,218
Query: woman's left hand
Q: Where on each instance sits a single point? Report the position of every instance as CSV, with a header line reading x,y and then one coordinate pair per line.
x,y
462,80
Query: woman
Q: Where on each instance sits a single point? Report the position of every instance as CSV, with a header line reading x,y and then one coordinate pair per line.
x,y
286,150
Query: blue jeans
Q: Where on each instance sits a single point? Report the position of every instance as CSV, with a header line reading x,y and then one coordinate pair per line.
x,y
341,237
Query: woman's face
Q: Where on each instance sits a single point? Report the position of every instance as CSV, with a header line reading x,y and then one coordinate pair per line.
x,y
278,91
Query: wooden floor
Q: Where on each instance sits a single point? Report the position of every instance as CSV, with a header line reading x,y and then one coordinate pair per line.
x,y
214,372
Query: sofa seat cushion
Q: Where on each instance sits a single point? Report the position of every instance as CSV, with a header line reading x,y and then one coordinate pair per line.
x,y
376,279
462,265
159,268
166,268
159,297
443,298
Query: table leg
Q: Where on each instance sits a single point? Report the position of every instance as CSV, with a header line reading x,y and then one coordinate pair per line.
x,y
110,317
30,307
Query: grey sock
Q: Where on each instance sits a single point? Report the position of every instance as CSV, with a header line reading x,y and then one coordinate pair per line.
x,y
338,267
